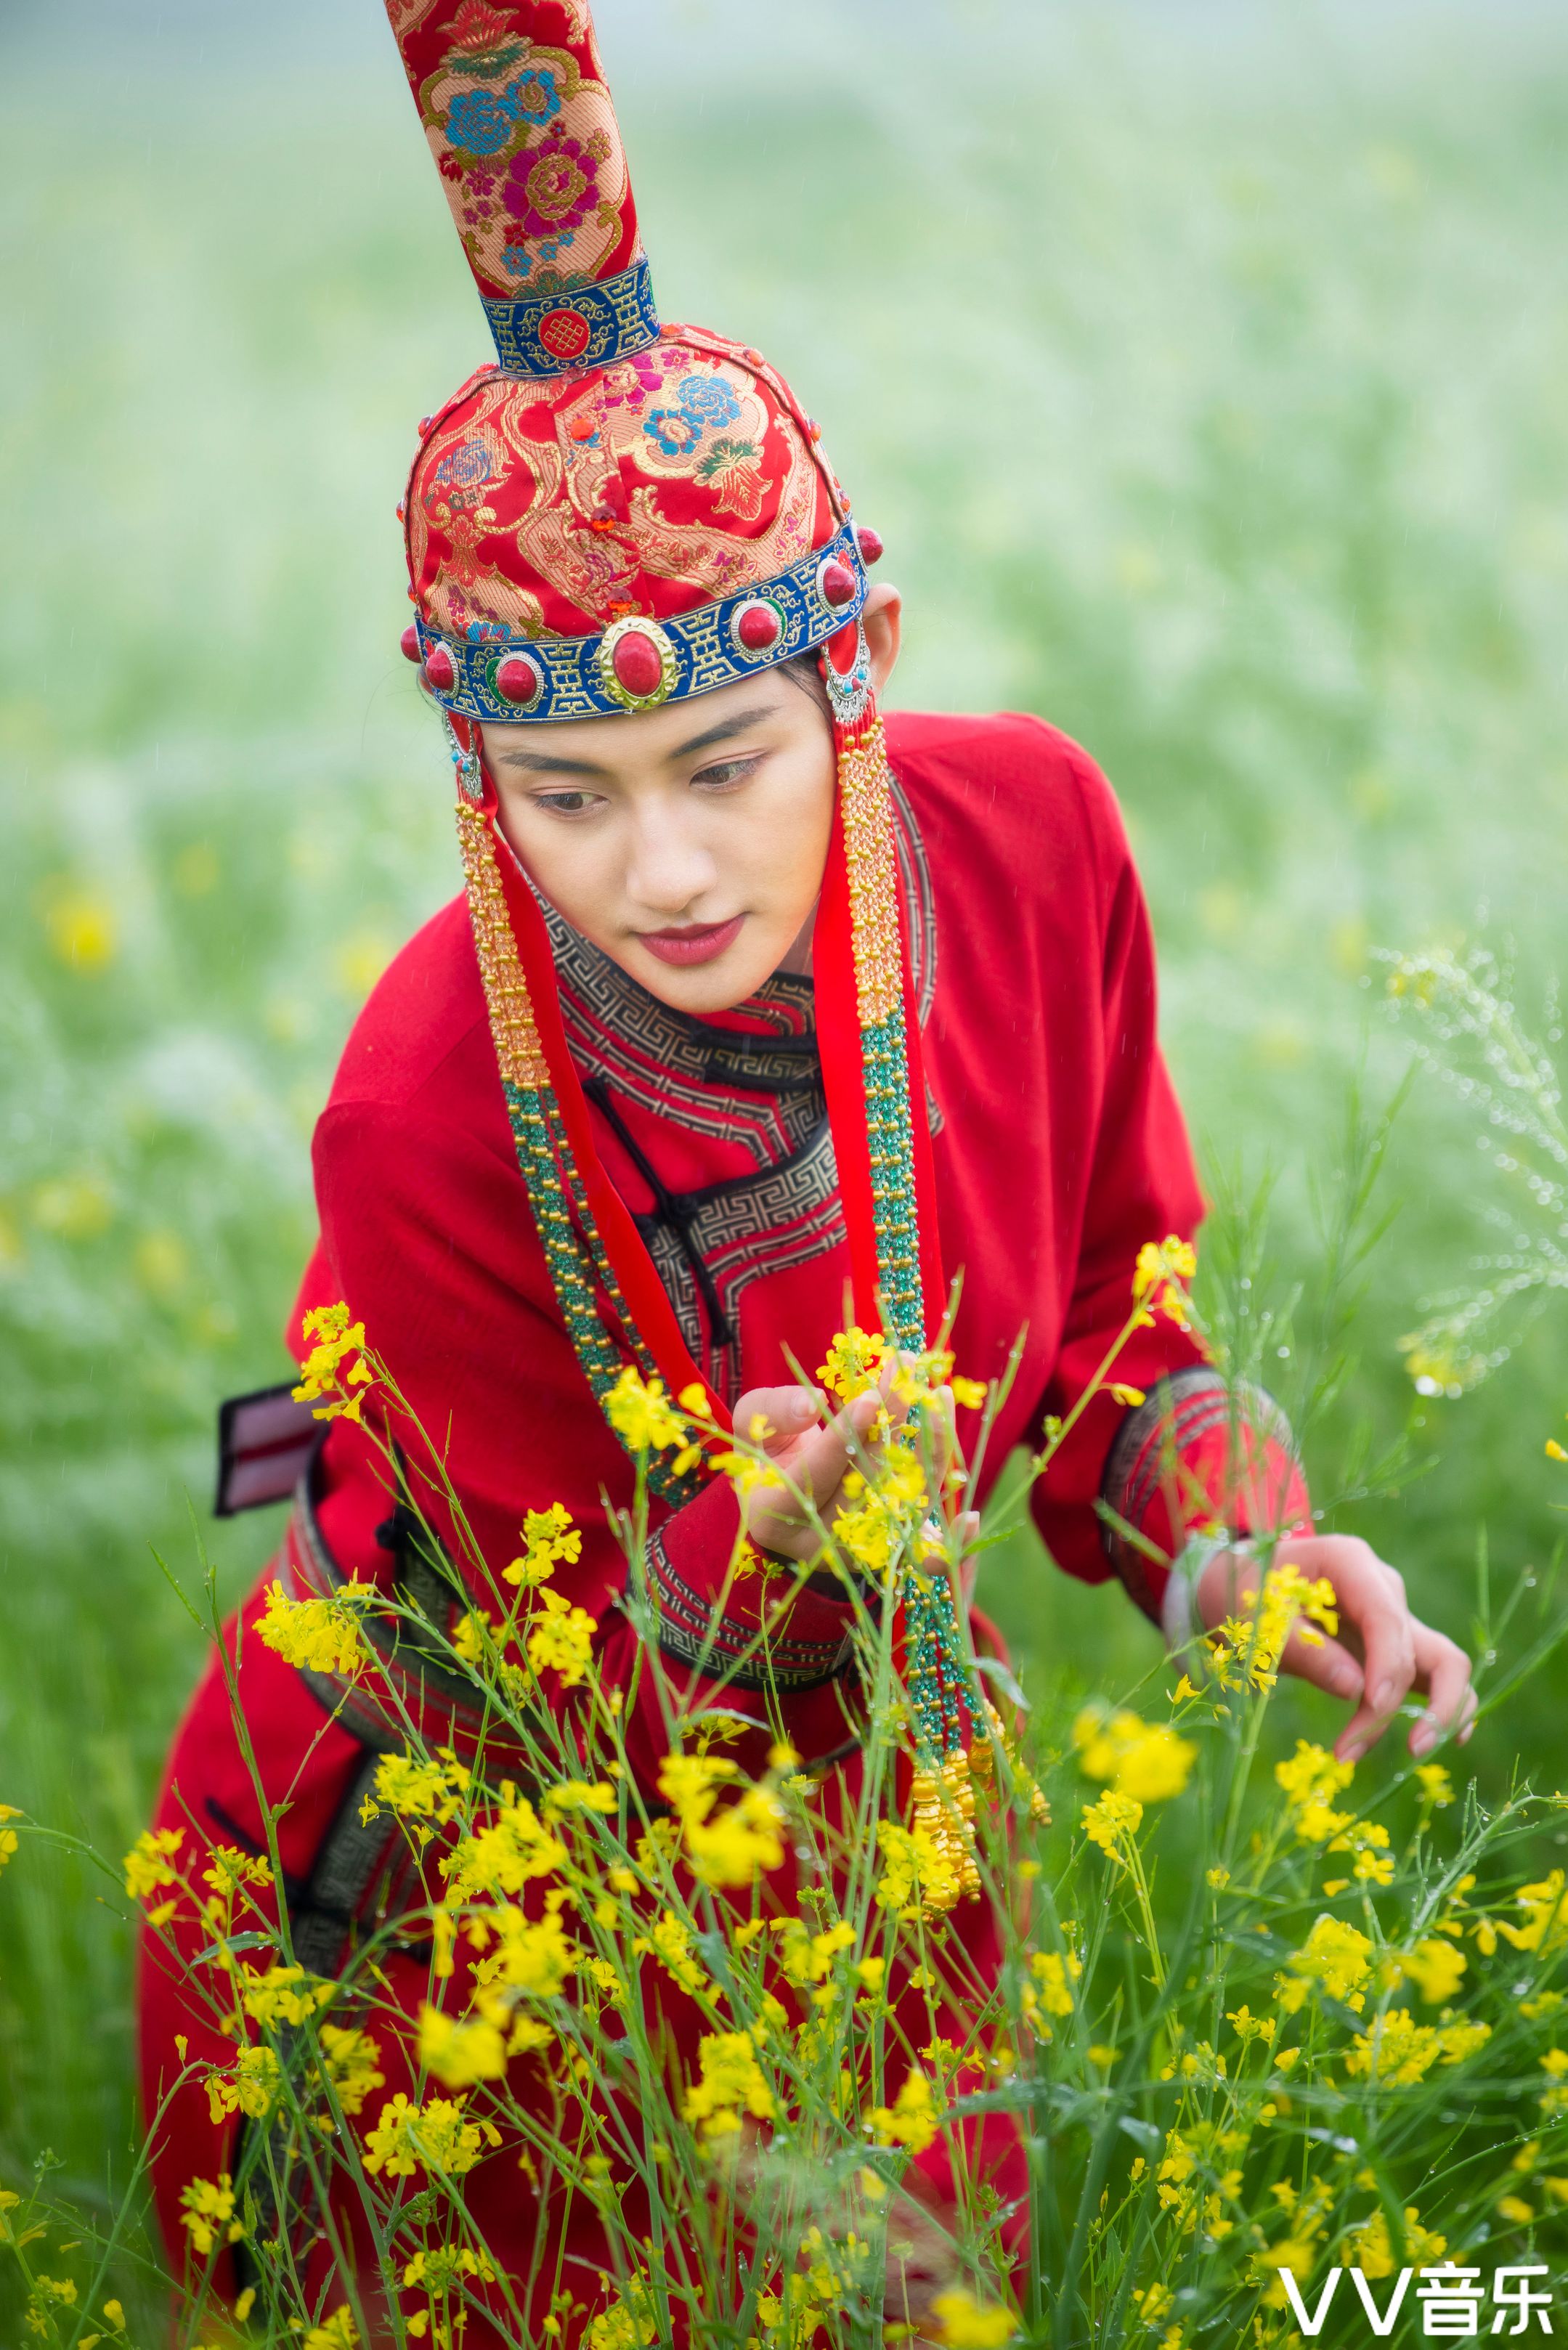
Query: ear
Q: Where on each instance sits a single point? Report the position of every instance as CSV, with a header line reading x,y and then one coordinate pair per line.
x,y
882,619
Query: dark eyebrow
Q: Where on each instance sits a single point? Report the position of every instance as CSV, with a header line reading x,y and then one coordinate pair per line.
x,y
725,730
535,763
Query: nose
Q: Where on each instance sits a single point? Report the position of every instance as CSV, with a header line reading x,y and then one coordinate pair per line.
x,y
671,868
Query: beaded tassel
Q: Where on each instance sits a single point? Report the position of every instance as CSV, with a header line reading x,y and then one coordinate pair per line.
x,y
866,799
937,1673
982,1761
943,1803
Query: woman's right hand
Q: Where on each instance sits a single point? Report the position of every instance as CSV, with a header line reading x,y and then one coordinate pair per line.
x,y
814,1448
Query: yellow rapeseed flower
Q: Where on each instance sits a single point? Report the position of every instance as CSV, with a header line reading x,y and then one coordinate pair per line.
x,y
460,2051
1545,1906
1434,1966
422,1786
731,2082
352,2061
1335,1960
1311,1779
318,1634
513,1847
436,2135
284,1995
73,1207
323,1374
1459,2041
630,2323
338,2333
969,2324
740,1841
1373,2249
250,2086
1111,1823
643,1417
147,1864
668,1939
854,1364
577,1795
549,1538
1397,2050
911,2120
918,1872
229,1871
1055,1972
729,1846
83,928
533,1956
561,1639
1245,1649
207,2213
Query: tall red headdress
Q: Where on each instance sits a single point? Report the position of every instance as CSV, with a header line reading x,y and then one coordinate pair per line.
x,y
614,516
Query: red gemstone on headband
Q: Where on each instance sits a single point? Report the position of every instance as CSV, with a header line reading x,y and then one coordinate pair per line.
x,y
424,426
637,665
758,627
440,671
869,542
838,583
410,641
517,680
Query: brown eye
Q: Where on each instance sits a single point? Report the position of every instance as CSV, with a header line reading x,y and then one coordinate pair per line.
x,y
728,771
563,803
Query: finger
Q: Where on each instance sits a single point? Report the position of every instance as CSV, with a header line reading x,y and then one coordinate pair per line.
x,y
774,1416
941,1434
1325,1664
1387,1640
1443,1669
825,1457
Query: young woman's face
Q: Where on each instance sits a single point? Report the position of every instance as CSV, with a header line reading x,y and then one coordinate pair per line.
x,y
688,843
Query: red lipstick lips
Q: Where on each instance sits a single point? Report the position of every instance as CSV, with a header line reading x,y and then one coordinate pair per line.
x,y
692,941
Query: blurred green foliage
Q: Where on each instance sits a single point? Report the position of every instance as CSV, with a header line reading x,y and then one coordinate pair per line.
x,y
1207,394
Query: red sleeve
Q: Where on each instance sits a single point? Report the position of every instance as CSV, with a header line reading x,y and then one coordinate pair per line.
x,y
1142,1186
1198,1453
1189,1454
427,1233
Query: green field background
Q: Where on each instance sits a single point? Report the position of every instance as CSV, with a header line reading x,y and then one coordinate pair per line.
x,y
1203,368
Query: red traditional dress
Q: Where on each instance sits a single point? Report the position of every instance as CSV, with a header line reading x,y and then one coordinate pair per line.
x,y
615,515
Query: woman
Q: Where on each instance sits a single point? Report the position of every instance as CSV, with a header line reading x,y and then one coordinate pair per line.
x,y
748,1007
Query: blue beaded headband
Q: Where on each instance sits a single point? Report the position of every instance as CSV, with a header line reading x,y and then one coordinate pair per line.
x,y
637,663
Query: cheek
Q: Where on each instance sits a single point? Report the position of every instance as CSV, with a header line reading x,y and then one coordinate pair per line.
x,y
569,867
792,846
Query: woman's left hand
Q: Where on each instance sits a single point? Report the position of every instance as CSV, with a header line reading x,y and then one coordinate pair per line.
x,y
1383,1652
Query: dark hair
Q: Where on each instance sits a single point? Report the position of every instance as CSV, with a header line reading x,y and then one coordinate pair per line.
x,y
804,671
